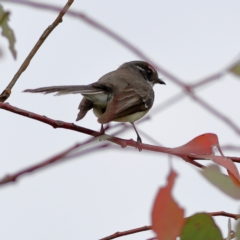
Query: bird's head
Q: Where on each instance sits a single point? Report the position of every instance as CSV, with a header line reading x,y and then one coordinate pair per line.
x,y
146,70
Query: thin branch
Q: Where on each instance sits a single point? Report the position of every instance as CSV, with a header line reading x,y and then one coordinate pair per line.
x,y
142,133
146,228
209,79
103,29
14,177
147,136
220,116
60,124
57,158
132,231
70,126
196,164
224,214
168,102
140,54
66,155
119,39
7,92
230,147
209,157
122,142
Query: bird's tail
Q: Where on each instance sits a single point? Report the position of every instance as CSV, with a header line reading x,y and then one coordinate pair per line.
x,y
62,90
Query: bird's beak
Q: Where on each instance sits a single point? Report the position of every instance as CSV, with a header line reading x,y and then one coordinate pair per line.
x,y
160,81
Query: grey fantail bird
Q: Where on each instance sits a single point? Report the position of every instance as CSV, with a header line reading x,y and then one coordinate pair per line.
x,y
123,95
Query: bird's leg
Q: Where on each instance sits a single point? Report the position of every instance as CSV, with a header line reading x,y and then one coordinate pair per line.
x,y
139,140
102,131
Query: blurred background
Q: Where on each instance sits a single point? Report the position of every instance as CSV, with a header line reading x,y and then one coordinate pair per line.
x,y
113,189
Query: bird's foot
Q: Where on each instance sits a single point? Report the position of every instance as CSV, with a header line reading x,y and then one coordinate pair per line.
x,y
102,136
139,141
102,130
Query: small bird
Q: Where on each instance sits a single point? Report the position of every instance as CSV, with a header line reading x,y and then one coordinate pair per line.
x,y
123,95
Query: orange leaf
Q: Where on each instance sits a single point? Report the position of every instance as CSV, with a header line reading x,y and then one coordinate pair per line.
x,y
201,145
234,179
167,216
201,148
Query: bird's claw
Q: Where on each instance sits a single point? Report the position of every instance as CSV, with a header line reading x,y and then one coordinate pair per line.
x,y
139,141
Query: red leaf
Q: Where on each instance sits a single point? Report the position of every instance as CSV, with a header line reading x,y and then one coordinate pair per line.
x,y
201,148
234,179
227,163
201,145
167,216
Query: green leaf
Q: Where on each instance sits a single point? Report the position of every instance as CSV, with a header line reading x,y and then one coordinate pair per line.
x,y
221,181
7,31
238,231
235,69
200,227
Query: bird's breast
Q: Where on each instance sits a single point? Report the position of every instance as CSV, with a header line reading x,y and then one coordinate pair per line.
x,y
132,117
100,100
98,111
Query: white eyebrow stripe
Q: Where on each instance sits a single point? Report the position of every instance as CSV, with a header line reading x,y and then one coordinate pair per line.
x,y
140,68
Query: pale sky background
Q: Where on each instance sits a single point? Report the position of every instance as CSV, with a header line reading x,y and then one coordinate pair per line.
x,y
96,195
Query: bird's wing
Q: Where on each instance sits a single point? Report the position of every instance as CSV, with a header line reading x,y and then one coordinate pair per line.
x,y
126,102
72,89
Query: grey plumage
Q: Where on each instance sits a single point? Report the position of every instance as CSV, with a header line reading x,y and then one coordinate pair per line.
x,y
63,90
123,95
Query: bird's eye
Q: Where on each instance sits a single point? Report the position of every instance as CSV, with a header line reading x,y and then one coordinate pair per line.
x,y
146,71
149,72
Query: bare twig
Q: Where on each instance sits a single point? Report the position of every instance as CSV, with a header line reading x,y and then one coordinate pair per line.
x,y
14,177
209,157
224,214
168,102
230,147
7,92
146,228
139,53
59,124
73,127
220,116
196,164
105,30
132,231
122,142
57,158
209,79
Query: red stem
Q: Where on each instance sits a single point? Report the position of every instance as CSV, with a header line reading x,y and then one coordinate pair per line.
x,y
146,228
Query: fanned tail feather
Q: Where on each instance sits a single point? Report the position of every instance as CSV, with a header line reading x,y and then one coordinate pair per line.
x,y
62,90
